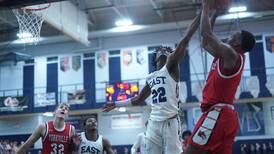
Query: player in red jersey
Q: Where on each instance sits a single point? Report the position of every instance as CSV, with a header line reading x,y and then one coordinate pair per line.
x,y
56,135
216,129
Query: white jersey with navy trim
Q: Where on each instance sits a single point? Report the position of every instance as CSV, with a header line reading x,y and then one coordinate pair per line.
x,y
91,147
164,93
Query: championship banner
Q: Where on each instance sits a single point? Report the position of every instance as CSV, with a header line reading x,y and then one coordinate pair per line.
x,y
75,97
269,43
13,104
70,71
76,62
101,74
134,61
269,53
125,121
44,99
251,119
64,64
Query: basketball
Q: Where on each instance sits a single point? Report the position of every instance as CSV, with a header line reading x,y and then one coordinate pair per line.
x,y
222,4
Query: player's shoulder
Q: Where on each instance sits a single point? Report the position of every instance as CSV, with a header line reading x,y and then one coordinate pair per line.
x,y
150,75
42,128
42,125
72,129
229,49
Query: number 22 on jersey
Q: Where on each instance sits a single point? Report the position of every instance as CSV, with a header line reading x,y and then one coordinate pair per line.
x,y
159,95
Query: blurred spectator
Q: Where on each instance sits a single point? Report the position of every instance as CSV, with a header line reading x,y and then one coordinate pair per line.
x,y
185,137
8,147
252,149
244,149
126,151
115,151
1,147
140,144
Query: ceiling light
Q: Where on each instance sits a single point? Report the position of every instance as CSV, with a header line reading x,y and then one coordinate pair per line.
x,y
237,9
123,22
237,15
126,28
48,114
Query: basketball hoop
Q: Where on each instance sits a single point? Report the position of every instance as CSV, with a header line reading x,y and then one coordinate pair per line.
x,y
30,20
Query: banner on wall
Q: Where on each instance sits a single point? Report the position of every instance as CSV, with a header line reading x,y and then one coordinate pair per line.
x,y
70,71
126,121
134,61
76,62
268,50
269,43
251,119
101,74
64,64
127,57
13,104
45,99
101,59
74,97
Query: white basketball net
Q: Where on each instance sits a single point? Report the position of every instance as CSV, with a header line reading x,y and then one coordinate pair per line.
x,y
30,24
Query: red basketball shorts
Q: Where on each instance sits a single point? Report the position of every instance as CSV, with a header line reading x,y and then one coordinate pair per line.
x,y
215,130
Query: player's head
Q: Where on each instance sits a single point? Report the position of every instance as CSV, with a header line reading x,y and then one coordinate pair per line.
x,y
242,41
62,110
90,124
160,56
186,134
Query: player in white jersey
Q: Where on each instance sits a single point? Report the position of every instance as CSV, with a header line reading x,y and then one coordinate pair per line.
x,y
139,147
90,142
162,133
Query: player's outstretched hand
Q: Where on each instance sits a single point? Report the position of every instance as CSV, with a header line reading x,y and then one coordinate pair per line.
x,y
108,107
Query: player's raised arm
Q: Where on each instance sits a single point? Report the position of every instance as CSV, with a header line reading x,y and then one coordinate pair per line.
x,y
32,139
145,92
211,43
176,57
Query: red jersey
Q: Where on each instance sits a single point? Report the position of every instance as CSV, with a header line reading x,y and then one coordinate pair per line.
x,y
221,88
54,141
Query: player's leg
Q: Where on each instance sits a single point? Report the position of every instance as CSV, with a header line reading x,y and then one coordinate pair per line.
x,y
152,147
230,131
172,144
153,139
192,148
